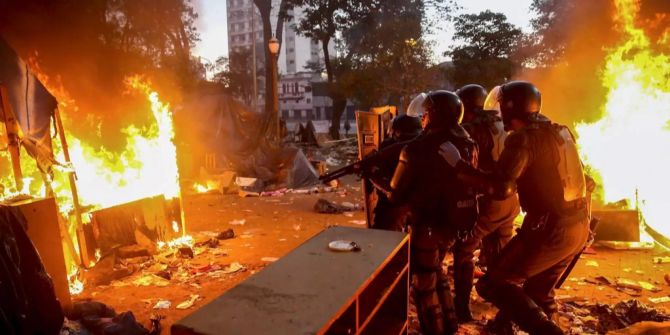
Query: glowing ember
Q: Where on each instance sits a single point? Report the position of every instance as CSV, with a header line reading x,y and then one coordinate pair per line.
x,y
183,241
205,187
628,146
76,286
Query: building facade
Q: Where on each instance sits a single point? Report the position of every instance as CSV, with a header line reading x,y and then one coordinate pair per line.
x,y
296,100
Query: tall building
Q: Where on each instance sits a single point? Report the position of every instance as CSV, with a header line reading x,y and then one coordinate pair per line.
x,y
296,101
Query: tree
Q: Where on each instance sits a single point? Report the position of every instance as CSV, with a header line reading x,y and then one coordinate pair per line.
x,y
236,78
389,55
322,19
486,56
265,9
382,56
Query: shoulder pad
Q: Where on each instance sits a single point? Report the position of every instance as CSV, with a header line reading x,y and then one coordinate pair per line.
x,y
517,139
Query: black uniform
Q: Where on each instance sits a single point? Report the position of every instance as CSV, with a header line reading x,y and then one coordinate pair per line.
x,y
495,224
440,207
541,162
390,216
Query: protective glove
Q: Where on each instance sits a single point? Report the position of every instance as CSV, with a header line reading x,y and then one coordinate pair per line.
x,y
450,154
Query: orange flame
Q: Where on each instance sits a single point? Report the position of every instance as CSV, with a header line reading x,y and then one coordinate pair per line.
x,y
628,145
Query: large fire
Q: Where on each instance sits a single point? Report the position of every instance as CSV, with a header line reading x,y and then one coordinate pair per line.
x,y
146,167
628,146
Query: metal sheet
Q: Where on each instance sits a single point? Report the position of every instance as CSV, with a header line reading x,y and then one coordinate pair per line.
x,y
617,225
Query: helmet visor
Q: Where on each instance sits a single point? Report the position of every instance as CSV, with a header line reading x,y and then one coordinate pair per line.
x,y
492,101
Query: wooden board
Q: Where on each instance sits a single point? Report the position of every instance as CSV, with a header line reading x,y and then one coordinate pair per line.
x,y
44,231
301,293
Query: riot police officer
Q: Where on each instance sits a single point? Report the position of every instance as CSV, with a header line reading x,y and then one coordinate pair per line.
x,y
386,215
495,224
541,162
440,206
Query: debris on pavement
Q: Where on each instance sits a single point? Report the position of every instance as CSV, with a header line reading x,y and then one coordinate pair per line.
x,y
269,259
226,234
162,304
592,263
233,267
659,300
188,303
662,260
237,222
624,314
328,207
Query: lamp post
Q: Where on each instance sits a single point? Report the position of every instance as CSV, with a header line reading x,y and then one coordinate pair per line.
x,y
273,46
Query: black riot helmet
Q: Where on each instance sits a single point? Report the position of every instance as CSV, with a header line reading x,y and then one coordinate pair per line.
x,y
473,97
519,100
405,127
444,109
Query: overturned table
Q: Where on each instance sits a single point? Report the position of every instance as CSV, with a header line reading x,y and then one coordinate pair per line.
x,y
314,290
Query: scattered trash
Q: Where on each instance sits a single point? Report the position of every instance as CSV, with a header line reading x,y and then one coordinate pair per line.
x,y
662,260
233,267
659,300
269,259
604,280
348,214
648,286
162,304
210,243
250,184
245,194
186,252
624,314
188,303
627,283
148,280
359,222
238,222
593,263
164,274
327,207
341,245
226,234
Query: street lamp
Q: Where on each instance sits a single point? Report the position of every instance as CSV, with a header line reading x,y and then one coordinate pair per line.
x,y
273,46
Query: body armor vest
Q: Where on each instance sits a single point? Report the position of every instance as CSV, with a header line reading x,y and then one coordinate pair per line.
x,y
554,179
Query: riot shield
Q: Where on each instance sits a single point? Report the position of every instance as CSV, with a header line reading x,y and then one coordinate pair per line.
x,y
371,130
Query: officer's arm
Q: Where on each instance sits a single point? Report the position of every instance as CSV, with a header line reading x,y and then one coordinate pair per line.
x,y
501,183
396,189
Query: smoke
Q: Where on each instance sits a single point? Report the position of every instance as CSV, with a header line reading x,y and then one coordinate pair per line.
x,y
84,50
572,90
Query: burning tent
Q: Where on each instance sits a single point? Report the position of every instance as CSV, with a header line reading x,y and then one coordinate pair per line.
x,y
26,113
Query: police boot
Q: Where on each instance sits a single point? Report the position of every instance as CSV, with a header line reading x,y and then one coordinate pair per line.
x,y
500,325
463,276
447,303
430,317
512,300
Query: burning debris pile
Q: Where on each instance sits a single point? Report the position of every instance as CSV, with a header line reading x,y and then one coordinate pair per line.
x,y
634,121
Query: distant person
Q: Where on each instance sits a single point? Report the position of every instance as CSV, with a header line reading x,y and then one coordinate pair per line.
x,y
347,127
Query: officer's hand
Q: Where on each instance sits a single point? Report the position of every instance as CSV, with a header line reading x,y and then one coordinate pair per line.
x,y
450,154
